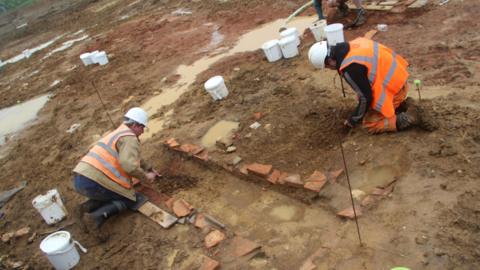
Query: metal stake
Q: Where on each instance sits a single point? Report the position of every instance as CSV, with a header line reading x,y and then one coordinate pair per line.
x,y
104,107
351,196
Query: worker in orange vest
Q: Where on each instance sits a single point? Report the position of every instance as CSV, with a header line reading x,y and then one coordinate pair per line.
x,y
105,174
379,78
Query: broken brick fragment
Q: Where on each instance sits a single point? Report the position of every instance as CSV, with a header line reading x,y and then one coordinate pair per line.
x,y
316,181
261,170
293,180
243,170
202,156
333,175
257,115
209,264
368,201
191,148
348,213
23,231
274,176
181,208
213,238
242,246
172,143
169,203
200,221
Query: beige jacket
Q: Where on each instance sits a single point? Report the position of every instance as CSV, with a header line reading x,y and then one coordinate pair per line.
x,y
129,154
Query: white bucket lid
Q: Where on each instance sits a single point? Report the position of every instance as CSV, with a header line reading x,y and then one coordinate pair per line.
x,y
42,201
333,27
287,40
289,31
55,242
213,82
270,44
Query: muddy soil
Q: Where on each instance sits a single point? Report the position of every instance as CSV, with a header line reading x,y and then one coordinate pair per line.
x,y
428,222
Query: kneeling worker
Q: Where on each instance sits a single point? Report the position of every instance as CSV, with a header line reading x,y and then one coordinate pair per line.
x,y
106,173
379,78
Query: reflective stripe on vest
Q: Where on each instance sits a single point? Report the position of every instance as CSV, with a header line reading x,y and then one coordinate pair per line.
x,y
104,157
383,65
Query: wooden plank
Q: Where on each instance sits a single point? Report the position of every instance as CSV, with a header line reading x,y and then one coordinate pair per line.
x,y
389,3
156,214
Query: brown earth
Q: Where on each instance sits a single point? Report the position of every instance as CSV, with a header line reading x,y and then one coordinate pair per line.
x,y
430,221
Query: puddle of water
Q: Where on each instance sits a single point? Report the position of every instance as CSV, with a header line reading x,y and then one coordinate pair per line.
x,y
219,130
65,45
377,176
32,51
250,41
283,212
15,118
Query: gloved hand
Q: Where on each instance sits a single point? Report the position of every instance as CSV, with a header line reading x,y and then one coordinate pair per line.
x,y
152,175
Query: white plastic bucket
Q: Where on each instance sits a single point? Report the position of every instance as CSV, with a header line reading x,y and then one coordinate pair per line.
x,y
334,33
318,30
27,53
291,31
100,58
60,250
86,58
50,206
288,46
216,87
272,50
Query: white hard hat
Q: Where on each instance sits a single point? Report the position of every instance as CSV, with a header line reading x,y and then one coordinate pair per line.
x,y
317,54
138,115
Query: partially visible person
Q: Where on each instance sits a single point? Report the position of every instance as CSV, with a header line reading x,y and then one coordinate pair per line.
x,y
343,9
379,78
105,174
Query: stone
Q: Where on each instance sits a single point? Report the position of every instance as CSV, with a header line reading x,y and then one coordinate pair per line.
x,y
236,160
293,180
421,240
22,232
32,238
231,149
243,170
261,170
7,236
172,143
223,142
213,238
439,252
181,208
209,264
274,176
358,194
242,246
348,213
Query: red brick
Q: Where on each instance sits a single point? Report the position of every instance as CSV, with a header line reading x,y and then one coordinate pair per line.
x,y
191,148
181,208
209,264
242,246
293,180
314,186
259,169
169,203
257,115
274,176
348,213
213,238
317,176
202,156
172,143
243,170
200,221
383,191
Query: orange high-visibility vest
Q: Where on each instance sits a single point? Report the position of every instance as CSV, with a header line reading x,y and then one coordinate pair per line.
x,y
104,157
387,71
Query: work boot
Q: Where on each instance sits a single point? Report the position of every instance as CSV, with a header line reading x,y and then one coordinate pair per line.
x,y
342,10
94,220
415,116
87,207
361,17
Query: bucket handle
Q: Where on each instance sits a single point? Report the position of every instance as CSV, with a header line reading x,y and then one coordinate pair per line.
x,y
84,250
